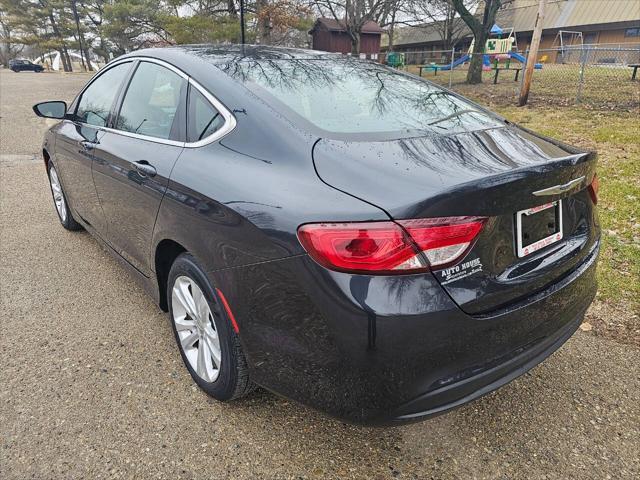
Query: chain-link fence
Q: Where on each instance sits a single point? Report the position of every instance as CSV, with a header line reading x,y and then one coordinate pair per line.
x,y
592,75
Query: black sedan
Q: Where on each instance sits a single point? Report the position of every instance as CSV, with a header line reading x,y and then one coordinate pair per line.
x,y
18,65
336,231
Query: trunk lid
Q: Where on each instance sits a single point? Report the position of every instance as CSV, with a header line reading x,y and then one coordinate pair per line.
x,y
492,173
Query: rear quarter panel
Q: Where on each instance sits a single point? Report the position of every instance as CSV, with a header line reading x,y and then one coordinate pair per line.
x,y
231,209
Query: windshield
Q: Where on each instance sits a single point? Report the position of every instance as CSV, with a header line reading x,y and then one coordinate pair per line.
x,y
343,95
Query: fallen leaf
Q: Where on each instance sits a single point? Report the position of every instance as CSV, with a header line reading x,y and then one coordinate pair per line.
x,y
586,327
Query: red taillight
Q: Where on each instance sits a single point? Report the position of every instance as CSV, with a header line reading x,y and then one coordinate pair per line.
x,y
360,247
593,188
389,247
444,240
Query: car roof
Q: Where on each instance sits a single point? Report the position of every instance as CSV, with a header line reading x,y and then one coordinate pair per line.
x,y
225,54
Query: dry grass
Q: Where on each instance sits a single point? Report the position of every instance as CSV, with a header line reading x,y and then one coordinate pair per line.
x,y
604,87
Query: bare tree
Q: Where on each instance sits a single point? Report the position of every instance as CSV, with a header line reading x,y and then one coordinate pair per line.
x,y
388,19
481,27
442,17
281,21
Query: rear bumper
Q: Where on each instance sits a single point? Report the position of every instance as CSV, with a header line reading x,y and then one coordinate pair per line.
x,y
383,350
441,400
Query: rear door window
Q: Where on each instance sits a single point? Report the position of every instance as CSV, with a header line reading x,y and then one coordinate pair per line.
x,y
151,103
96,101
203,118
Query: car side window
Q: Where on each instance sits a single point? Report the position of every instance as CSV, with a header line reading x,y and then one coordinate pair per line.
x,y
202,118
96,101
151,102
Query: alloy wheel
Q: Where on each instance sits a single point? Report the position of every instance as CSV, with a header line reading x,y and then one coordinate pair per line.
x,y
196,328
58,197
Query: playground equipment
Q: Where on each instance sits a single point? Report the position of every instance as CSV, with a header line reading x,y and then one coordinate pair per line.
x,y
486,62
463,59
567,41
495,50
495,46
568,38
395,59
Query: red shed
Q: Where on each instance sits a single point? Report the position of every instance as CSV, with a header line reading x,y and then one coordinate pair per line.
x,y
331,36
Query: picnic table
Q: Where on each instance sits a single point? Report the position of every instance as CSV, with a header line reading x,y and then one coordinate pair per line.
x,y
498,70
429,67
635,67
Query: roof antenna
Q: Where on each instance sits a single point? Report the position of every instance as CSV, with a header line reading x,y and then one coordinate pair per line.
x,y
242,22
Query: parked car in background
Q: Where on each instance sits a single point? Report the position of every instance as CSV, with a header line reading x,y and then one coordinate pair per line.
x,y
19,65
334,230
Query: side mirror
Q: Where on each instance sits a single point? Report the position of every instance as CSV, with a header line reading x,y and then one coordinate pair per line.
x,y
55,109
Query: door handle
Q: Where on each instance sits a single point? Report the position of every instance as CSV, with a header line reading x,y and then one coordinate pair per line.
x,y
145,168
87,146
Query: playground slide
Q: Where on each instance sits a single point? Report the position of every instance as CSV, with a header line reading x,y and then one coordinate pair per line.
x,y
463,59
456,63
485,60
523,60
518,57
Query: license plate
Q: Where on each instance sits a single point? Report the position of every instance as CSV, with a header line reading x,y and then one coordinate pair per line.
x,y
538,227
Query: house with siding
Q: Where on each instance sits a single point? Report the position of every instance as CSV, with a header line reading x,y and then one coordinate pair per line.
x,y
604,23
330,35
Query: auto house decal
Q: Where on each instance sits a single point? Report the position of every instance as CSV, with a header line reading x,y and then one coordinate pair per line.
x,y
463,270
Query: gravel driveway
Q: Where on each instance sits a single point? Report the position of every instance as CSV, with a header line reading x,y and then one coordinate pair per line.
x,y
92,385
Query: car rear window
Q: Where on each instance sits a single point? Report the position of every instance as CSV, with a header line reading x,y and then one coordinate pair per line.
x,y
344,95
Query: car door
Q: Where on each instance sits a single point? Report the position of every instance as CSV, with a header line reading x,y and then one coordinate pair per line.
x,y
135,157
77,137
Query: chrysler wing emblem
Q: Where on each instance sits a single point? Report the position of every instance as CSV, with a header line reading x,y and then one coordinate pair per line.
x,y
558,189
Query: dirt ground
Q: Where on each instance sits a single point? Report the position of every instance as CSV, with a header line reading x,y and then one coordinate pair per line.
x,y
92,385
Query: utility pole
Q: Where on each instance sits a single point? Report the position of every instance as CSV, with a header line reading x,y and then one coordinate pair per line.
x,y
242,22
533,55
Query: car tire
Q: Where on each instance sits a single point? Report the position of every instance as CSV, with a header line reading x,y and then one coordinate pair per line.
x,y
60,201
208,343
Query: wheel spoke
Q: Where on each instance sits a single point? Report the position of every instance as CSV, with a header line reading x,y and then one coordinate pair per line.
x,y
200,302
186,300
184,324
213,344
204,365
189,340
